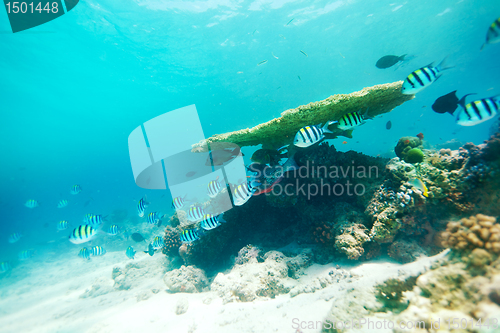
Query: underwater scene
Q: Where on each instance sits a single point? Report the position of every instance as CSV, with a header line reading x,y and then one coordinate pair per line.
x,y
250,166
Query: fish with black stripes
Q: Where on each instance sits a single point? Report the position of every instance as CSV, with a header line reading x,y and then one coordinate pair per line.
x,y
195,213
352,119
62,203
309,135
62,225
5,266
31,203
94,220
493,34
179,202
141,206
478,111
84,253
82,234
98,251
155,218
76,189
210,221
157,242
214,188
113,230
423,77
191,235
26,254
242,193
14,237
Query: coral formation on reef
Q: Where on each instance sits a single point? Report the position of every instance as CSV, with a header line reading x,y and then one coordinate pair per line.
x,y
171,242
409,149
187,279
277,132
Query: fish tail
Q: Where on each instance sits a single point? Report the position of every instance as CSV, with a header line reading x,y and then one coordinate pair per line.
x,y
443,65
482,47
325,128
221,218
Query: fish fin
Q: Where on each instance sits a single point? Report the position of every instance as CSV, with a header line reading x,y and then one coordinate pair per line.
x,y
443,66
401,58
461,102
325,128
221,218
482,47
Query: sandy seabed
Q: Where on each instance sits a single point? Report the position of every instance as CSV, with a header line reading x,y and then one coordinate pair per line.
x,y
73,295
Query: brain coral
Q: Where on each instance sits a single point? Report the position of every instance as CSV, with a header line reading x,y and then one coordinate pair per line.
x,y
478,231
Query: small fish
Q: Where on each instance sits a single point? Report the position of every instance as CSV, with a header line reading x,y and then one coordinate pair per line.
x,y
62,225
191,235
154,218
190,174
214,188
98,251
219,156
157,243
210,221
290,21
84,253
26,254
242,193
76,189
141,207
195,213
14,237
418,184
422,78
299,78
178,202
388,125
304,53
389,61
344,142
130,253
351,120
62,203
262,62
151,250
309,135
448,103
113,230
82,233
274,55
137,237
478,111
31,203
94,220
420,136
5,266
493,34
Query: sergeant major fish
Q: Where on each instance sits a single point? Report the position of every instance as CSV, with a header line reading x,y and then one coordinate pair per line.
x,y
353,119
98,251
113,230
478,111
423,77
309,135
155,218
94,220
26,254
210,221
62,225
5,266
62,203
76,189
493,34
31,203
81,234
242,193
84,253
14,237
141,207
191,235
178,202
195,213
214,188
157,243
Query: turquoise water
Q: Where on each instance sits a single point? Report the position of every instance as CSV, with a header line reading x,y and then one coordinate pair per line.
x,y
73,89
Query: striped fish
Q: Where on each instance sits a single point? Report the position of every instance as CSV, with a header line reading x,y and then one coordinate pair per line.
x,y
113,230
5,266
191,235
422,78
309,135
98,251
31,203
210,221
493,34
195,213
214,188
130,253
62,225
75,189
94,220
14,237
157,243
178,202
154,218
351,120
242,193
81,234
84,253
62,203
141,206
26,254
478,111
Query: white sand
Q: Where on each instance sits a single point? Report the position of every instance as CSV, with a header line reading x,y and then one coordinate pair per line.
x,y
46,298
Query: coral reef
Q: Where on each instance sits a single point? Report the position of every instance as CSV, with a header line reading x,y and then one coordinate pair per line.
x,y
405,251
249,253
279,131
414,155
171,242
187,279
407,144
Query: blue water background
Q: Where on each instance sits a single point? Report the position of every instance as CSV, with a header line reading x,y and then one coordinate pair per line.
x,y
73,89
